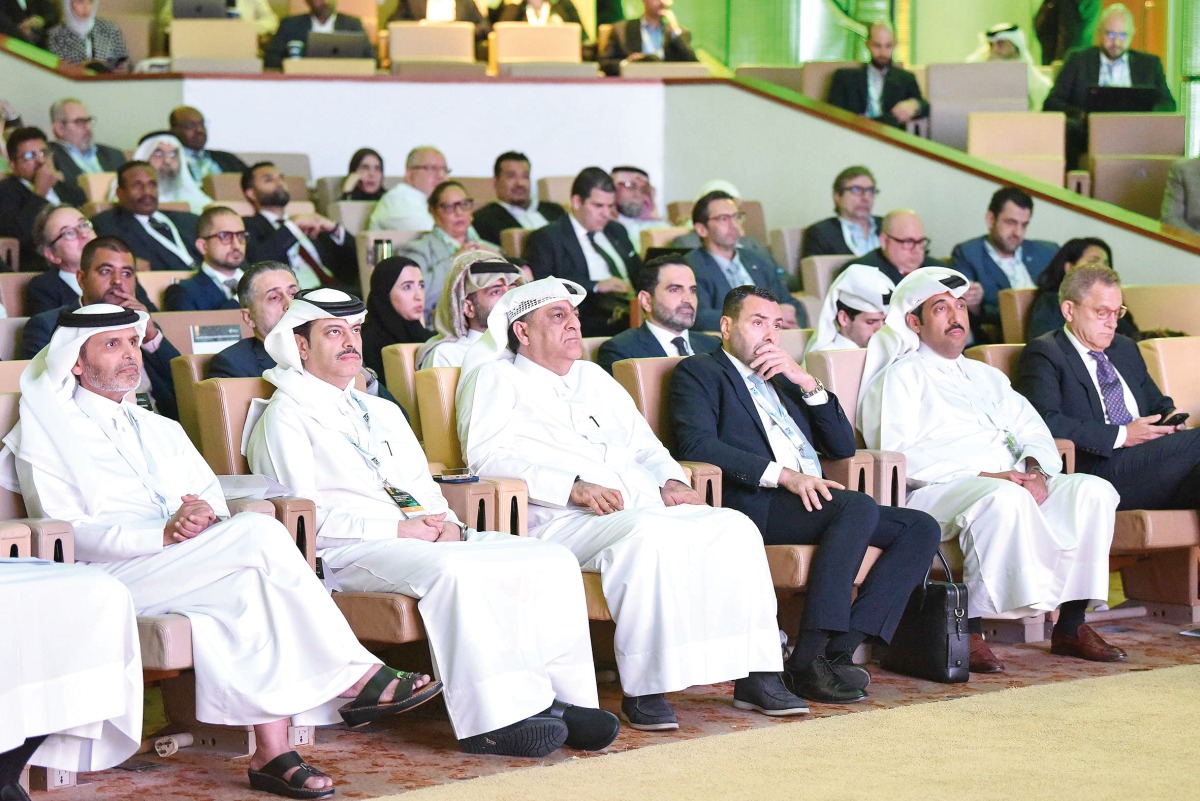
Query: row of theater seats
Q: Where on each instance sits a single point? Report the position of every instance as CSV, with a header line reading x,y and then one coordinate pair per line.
x,y
1155,307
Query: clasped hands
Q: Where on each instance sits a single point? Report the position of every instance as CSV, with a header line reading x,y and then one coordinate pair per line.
x,y
189,520
603,500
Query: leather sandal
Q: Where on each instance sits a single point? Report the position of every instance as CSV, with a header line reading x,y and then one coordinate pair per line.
x,y
366,707
588,729
269,778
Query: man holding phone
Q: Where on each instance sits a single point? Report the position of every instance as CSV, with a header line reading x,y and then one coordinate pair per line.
x,y
1091,386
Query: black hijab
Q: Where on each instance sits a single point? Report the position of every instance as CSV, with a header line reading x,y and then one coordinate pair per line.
x,y
384,326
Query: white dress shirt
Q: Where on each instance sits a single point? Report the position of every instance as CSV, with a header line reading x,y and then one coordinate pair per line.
x,y
1115,73
530,219
858,242
1012,266
1090,363
598,270
219,278
665,339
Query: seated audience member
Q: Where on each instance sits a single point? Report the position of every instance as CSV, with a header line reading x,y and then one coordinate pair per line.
x,y
853,310
591,248
1003,258
84,38
984,464
654,36
1006,42
30,20
491,603
188,126
164,153
323,17
251,598
903,247
442,11
720,265
852,230
751,410
477,281
451,234
1181,199
75,151
1045,313
221,240
10,120
32,184
691,239
166,239
364,181
687,584
257,11
636,206
405,207
106,275
319,250
1091,386
513,206
539,12
1112,63
395,309
879,90
667,297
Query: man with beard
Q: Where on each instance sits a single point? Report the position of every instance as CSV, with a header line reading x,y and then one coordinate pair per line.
x,y
667,295
74,147
636,206
879,90
513,206
166,239
853,229
175,184
475,284
187,124
319,250
222,242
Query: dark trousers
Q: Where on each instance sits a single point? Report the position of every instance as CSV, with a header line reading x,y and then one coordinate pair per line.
x,y
1160,474
843,528
12,762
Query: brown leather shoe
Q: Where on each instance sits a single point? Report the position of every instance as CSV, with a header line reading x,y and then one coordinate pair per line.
x,y
1086,644
982,658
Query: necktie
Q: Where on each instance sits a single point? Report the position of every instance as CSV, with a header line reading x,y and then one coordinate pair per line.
x,y
231,284
616,271
162,229
781,418
307,257
1110,390
681,345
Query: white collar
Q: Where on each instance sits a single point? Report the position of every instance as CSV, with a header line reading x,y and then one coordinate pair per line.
x,y
1083,350
665,336
941,362
560,383
94,405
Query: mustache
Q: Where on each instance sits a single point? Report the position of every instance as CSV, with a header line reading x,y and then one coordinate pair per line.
x,y
349,351
954,326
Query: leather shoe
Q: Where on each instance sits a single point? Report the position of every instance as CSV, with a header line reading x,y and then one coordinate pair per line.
x,y
535,736
856,676
1086,644
589,729
818,681
648,712
764,692
982,658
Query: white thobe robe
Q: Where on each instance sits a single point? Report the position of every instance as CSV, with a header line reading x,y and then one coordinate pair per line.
x,y
688,586
74,668
949,418
450,352
267,640
840,342
506,616
402,208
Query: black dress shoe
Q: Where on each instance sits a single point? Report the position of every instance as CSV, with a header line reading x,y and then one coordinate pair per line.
x,y
648,712
856,676
765,692
535,736
818,681
588,729
13,792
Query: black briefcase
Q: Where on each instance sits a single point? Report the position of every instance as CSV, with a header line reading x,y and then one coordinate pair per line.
x,y
932,641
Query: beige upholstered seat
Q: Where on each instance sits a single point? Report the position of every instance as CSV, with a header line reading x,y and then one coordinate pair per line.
x,y
957,90
10,376
785,247
660,237
591,347
1173,306
11,329
817,273
419,42
1173,365
187,370
155,282
480,189
1031,142
399,369
521,43
1005,358
817,76
12,291
556,188
512,241
97,185
1014,313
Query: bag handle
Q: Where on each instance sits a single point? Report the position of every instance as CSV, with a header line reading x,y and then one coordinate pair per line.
x,y
949,576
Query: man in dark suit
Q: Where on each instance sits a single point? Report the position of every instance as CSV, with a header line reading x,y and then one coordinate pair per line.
x,y
75,152
667,295
166,239
1110,64
221,241
511,208
1091,386
879,90
32,185
29,20
319,250
106,275
720,265
654,36
903,247
187,124
853,230
1003,258
592,249
750,409
464,11
298,27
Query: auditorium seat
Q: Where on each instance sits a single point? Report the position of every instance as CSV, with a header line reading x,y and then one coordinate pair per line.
x,y
1129,156
181,327
1005,358
794,340
138,32
10,374
10,337
958,90
1014,313
1029,142
227,186
480,189
660,237
187,370
556,189
1171,306
788,76
818,272
290,164
512,44
659,70
591,347
364,242
12,292
214,45
817,76
1172,363
399,371
444,49
155,282
512,241
97,185
785,247
352,215
328,190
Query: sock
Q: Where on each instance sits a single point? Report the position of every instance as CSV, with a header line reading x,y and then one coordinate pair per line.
x,y
844,642
975,625
1071,615
810,643
13,762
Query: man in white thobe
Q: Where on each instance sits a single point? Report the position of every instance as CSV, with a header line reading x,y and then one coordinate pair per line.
x,y
687,585
476,282
506,616
268,643
853,309
983,463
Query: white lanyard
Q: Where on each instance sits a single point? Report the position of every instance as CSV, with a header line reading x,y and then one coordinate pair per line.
x,y
175,245
139,470
808,461
1010,441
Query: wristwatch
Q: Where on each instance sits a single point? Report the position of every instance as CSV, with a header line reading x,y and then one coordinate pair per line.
x,y
816,391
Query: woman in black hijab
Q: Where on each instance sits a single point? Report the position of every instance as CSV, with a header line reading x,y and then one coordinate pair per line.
x,y
395,309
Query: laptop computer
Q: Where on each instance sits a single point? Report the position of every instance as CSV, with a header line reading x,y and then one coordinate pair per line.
x,y
339,45
199,9
1120,98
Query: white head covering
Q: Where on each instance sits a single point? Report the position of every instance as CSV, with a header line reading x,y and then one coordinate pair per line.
x,y
896,339
81,27
470,272
42,434
859,286
719,184
1039,84
185,189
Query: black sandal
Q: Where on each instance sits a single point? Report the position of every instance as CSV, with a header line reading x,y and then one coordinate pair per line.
x,y
269,778
366,708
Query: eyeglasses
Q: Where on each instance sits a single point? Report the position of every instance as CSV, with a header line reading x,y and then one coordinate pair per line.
x,y
1120,36
633,185
83,121
861,191
441,168
910,244
229,237
33,155
463,205
72,233
1108,314
726,218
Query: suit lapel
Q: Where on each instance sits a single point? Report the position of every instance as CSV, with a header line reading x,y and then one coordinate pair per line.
x,y
1079,369
650,343
739,389
576,253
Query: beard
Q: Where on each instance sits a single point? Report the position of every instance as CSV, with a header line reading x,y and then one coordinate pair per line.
x,y
114,381
280,197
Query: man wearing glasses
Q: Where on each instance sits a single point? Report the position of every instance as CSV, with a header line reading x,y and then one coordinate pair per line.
x,y
221,240
74,151
405,207
33,183
904,248
853,230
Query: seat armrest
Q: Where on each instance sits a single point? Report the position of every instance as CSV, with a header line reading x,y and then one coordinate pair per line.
x,y
1066,449
15,539
855,473
50,539
473,502
239,505
890,475
512,505
706,480
299,517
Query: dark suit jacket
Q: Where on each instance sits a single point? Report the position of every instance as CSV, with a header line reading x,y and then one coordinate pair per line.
x,y
19,205
825,238
1081,71
493,218
626,39
110,159
48,291
716,421
227,161
265,242
639,343
1054,379
11,14
712,286
565,9
198,293
877,260
244,359
972,260
554,250
297,28
121,223
464,11
849,91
